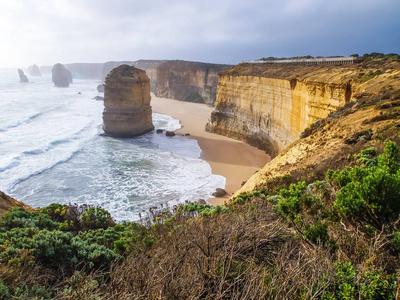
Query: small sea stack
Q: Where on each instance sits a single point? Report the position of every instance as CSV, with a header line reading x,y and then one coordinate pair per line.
x,y
127,110
22,76
61,76
100,88
34,71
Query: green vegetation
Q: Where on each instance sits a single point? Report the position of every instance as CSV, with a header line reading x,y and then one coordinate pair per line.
x,y
362,77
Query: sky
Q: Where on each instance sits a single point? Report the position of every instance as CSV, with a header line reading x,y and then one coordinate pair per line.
x,y
46,32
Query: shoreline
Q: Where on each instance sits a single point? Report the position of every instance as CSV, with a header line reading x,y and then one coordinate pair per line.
x,y
232,159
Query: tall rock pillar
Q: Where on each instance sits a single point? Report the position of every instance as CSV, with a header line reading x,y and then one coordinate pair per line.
x,y
127,110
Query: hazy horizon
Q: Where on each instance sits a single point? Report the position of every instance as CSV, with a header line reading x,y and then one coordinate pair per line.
x,y
46,32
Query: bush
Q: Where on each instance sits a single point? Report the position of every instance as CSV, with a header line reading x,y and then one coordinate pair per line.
x,y
369,283
4,293
370,192
96,217
37,237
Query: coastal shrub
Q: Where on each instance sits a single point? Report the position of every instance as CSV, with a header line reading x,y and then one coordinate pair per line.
x,y
18,218
35,237
368,283
293,200
4,293
306,208
34,291
317,233
370,192
242,198
202,209
367,157
96,217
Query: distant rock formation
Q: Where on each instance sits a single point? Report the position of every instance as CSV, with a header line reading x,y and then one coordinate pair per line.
x,y
100,88
127,110
187,81
22,76
61,76
34,71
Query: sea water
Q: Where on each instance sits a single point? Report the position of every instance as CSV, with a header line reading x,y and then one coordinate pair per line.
x,y
52,151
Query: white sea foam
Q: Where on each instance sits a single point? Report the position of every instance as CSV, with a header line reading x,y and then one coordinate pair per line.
x,y
51,151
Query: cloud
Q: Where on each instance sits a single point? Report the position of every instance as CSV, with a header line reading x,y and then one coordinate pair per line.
x,y
225,31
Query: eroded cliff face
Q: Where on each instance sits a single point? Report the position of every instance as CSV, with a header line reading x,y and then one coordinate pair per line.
x,y
269,106
188,81
127,110
271,113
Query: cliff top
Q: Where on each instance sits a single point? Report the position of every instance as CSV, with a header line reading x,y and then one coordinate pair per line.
x,y
370,76
182,64
126,72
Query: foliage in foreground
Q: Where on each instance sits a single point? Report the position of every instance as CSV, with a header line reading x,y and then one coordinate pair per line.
x,y
337,237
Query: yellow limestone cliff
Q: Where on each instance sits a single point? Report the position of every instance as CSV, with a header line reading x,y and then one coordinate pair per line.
x,y
270,106
270,113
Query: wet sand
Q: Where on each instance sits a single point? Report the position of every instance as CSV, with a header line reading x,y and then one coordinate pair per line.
x,y
234,160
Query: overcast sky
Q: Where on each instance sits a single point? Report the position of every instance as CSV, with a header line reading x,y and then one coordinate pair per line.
x,y
219,31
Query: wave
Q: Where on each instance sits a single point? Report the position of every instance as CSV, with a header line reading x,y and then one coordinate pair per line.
x,y
36,161
11,165
44,168
26,120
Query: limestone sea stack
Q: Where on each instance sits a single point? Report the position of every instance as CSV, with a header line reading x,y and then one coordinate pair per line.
x,y
127,110
61,76
100,88
22,76
35,71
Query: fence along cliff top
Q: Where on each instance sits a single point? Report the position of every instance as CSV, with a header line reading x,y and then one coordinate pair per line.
x,y
311,61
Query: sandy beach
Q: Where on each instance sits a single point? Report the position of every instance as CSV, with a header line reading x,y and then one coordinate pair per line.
x,y
234,160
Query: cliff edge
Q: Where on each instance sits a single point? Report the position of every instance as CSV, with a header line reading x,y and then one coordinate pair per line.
x,y
7,203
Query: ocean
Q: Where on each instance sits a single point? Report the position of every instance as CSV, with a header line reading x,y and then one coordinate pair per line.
x,y
52,151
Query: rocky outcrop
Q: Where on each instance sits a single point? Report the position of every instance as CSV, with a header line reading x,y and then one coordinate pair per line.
x,y
22,76
100,88
61,76
188,81
269,106
127,110
34,71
